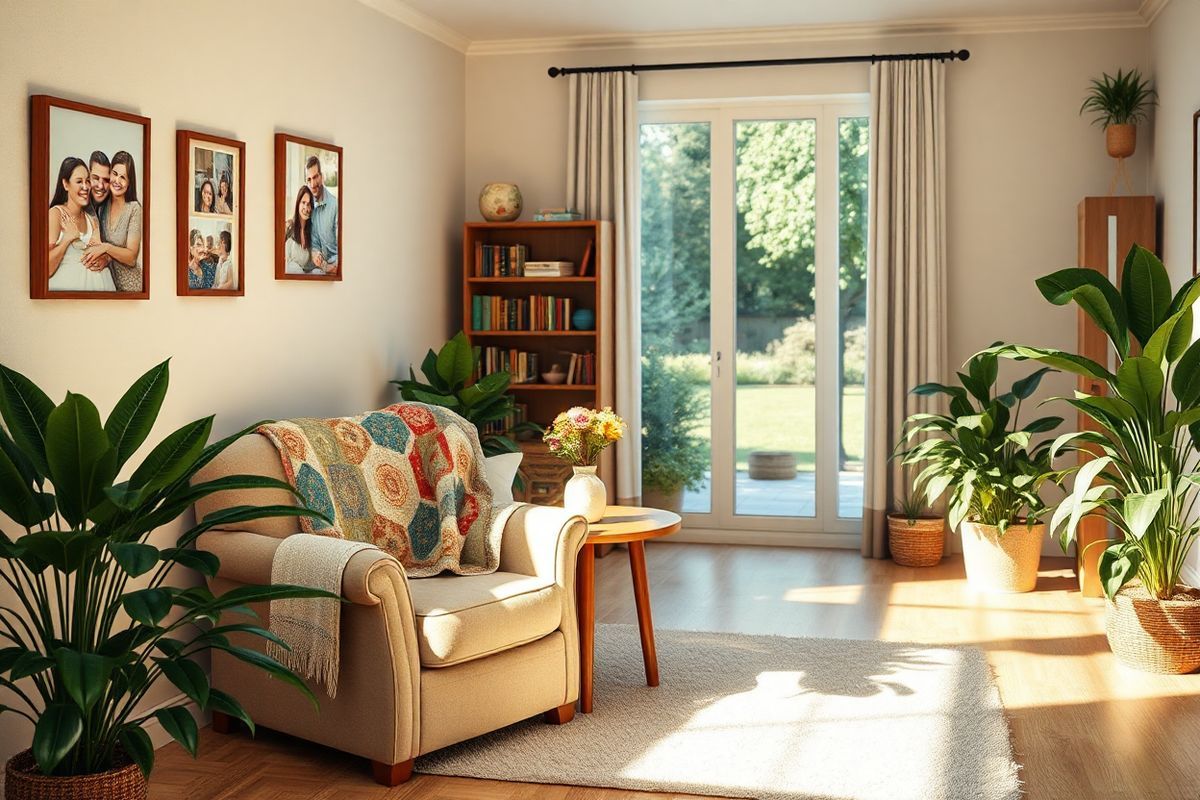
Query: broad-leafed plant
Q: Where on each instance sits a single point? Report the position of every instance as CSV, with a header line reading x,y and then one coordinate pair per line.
x,y
450,383
84,642
1142,474
979,453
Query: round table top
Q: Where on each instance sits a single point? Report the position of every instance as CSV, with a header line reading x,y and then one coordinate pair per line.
x,y
632,524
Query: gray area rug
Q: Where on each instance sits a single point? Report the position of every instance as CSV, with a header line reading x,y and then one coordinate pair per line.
x,y
768,717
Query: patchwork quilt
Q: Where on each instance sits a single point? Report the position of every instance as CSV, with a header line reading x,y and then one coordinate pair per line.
x,y
409,478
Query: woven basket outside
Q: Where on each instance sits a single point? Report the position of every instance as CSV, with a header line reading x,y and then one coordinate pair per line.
x,y
22,781
1120,140
1002,563
919,544
1155,635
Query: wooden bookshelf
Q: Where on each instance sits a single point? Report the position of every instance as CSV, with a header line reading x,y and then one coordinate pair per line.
x,y
546,241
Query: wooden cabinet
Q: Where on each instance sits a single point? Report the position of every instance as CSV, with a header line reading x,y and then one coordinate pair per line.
x,y
1108,228
587,241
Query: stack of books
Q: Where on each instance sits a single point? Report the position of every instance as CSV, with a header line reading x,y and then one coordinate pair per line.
x,y
500,260
522,366
557,215
535,313
549,269
582,369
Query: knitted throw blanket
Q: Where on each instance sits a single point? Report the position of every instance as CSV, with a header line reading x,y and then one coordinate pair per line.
x,y
409,478
311,626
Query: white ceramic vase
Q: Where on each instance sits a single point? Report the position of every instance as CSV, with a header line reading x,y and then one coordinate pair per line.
x,y
585,494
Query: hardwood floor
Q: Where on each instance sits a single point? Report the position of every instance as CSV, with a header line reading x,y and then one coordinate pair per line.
x,y
1083,727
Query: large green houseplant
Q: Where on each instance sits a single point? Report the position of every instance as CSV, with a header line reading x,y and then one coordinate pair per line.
x,y
93,623
450,382
988,465
1140,468
674,458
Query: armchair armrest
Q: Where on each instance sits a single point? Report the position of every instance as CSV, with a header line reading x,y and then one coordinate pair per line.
x,y
246,558
543,541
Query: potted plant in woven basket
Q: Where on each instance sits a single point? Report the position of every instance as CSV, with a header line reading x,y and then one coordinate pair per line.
x,y
1141,473
993,471
95,625
915,538
1119,104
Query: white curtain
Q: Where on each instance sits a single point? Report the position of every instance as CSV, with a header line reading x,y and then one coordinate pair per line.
x,y
602,174
906,280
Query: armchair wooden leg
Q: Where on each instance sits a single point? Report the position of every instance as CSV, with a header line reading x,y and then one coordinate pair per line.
x,y
392,774
223,723
561,715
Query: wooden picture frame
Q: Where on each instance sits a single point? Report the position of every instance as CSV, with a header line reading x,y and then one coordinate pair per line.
x,y
218,165
1196,193
295,259
64,132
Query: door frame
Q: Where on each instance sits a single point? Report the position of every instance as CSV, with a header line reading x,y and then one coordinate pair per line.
x,y
722,524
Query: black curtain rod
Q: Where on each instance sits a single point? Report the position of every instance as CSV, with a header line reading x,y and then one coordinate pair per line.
x,y
949,55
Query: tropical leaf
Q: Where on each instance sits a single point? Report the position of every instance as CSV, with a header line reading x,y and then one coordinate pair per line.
x,y
134,415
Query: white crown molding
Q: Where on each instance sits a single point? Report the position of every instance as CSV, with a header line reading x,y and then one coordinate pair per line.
x,y
422,23
1150,9
815,33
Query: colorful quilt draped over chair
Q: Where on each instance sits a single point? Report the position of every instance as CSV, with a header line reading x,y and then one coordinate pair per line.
x,y
409,478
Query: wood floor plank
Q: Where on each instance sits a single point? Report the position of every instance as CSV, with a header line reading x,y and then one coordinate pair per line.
x,y
1083,727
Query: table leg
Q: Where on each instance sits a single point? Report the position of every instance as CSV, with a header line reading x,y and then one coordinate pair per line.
x,y
641,596
585,605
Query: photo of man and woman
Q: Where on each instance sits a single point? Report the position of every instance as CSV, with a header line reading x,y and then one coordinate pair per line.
x,y
95,217
310,208
213,220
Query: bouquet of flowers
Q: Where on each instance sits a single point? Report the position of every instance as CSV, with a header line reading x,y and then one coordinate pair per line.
x,y
578,435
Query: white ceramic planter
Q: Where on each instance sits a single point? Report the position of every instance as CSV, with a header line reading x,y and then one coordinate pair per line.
x,y
1005,562
585,494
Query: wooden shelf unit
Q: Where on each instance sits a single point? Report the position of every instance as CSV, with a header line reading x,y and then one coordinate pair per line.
x,y
546,241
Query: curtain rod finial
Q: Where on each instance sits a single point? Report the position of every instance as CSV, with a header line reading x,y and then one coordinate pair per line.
x,y
964,54
554,72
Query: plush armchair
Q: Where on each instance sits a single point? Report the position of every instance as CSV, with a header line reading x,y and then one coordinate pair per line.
x,y
425,662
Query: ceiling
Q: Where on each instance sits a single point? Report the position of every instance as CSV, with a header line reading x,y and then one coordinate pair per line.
x,y
489,21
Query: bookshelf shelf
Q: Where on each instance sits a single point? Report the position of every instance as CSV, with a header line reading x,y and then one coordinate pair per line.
x,y
552,387
546,241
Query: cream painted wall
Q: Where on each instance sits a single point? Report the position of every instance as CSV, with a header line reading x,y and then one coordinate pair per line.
x,y
1019,155
1176,62
329,69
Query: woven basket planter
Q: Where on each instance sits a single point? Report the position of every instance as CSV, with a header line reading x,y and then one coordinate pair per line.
x,y
916,544
22,781
1155,635
1002,563
1120,140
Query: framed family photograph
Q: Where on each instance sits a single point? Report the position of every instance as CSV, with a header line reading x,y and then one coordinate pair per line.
x,y
308,209
210,215
89,202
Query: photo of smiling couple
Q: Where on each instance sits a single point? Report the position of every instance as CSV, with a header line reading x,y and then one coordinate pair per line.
x,y
311,227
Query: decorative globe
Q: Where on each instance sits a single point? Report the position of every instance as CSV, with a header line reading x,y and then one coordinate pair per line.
x,y
584,319
500,202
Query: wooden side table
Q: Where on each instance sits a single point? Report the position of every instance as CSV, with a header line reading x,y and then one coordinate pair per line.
x,y
634,526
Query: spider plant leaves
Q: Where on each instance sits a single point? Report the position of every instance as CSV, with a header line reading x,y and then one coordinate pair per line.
x,y
1123,99
1098,298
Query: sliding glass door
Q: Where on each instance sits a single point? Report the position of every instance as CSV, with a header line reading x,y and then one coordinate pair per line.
x,y
753,301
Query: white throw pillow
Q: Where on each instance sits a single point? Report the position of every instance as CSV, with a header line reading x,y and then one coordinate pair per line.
x,y
501,471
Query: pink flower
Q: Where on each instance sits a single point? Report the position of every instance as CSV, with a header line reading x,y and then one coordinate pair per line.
x,y
582,420
553,442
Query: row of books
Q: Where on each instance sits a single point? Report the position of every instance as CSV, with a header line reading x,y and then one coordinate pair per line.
x,y
522,365
520,413
500,260
581,369
535,313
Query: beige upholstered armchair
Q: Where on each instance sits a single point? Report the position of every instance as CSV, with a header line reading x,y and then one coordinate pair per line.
x,y
426,662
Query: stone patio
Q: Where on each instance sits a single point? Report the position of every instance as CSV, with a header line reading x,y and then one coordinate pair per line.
x,y
792,498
